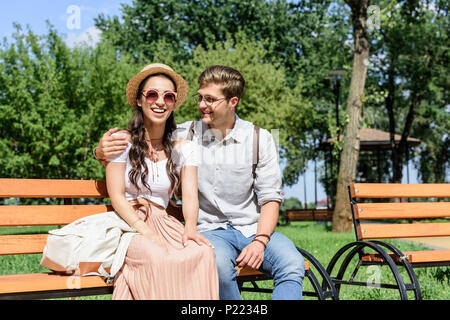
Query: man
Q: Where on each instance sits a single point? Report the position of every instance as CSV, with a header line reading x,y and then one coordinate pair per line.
x,y
239,204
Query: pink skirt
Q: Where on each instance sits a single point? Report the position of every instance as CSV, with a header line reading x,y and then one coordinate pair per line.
x,y
166,270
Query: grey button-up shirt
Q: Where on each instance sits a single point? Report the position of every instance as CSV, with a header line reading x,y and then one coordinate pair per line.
x,y
228,194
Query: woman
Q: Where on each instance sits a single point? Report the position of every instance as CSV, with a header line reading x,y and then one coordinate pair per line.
x,y
166,260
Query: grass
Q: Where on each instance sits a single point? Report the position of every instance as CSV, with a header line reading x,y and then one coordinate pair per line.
x,y
316,238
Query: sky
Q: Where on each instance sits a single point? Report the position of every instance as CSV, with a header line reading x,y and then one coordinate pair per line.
x,y
75,19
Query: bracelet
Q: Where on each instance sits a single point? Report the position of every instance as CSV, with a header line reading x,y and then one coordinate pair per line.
x,y
254,239
263,235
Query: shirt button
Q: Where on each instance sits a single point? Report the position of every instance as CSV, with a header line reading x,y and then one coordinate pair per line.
x,y
215,188
217,168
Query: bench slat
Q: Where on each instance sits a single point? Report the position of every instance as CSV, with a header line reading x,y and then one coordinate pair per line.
x,y
407,210
43,215
22,244
413,256
397,190
391,231
47,282
246,271
42,188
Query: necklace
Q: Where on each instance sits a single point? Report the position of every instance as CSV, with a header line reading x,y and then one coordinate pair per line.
x,y
154,146
154,157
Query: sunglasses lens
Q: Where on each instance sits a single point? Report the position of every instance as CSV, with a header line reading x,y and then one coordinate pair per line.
x,y
152,96
169,98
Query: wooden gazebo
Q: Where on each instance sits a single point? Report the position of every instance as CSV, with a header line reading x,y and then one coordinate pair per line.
x,y
372,141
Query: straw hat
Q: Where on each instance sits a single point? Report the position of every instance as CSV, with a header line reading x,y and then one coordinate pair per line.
x,y
154,68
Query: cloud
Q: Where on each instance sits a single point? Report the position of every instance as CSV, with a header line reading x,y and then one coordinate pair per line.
x,y
90,37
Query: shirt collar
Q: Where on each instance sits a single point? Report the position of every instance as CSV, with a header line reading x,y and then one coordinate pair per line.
x,y
238,133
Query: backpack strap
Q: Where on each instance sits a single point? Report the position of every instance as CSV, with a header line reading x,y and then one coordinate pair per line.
x,y
191,131
255,149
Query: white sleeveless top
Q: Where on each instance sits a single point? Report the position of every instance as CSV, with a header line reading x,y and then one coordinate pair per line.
x,y
157,177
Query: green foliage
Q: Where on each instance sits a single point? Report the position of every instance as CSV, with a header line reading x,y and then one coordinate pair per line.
x,y
291,203
55,104
185,25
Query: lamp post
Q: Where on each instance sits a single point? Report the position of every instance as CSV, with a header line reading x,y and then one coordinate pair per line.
x,y
335,76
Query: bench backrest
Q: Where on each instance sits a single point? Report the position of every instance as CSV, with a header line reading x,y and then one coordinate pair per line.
x,y
44,215
437,206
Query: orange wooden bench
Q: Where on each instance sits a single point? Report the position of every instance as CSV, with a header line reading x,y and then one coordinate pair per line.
x,y
66,192
397,220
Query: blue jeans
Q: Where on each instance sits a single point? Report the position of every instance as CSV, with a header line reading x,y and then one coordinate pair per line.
x,y
281,260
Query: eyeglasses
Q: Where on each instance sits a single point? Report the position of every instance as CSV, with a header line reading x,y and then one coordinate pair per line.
x,y
152,95
208,100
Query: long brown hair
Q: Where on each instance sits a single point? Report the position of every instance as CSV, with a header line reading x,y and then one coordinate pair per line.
x,y
140,149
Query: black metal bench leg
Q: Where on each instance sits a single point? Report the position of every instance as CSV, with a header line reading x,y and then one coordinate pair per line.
x,y
358,249
327,290
408,267
318,292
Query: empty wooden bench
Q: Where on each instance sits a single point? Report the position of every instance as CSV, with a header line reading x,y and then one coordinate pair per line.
x,y
309,215
398,219
66,192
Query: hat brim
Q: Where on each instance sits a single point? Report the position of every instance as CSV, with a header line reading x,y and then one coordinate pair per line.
x,y
135,82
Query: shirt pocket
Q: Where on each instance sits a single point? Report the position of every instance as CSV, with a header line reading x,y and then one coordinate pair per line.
x,y
238,179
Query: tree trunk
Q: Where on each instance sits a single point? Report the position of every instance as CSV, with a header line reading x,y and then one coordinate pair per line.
x,y
342,219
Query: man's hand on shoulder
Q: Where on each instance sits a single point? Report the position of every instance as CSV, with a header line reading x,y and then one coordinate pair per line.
x,y
111,145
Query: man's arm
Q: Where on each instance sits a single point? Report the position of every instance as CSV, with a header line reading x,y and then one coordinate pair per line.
x,y
110,146
268,220
267,187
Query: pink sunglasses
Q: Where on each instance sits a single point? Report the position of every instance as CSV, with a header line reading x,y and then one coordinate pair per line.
x,y
152,95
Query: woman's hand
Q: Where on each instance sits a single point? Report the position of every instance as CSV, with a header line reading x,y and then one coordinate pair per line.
x,y
193,234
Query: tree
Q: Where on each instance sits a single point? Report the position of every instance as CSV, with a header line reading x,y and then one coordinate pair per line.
x,y
415,50
55,104
408,82
185,24
342,221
